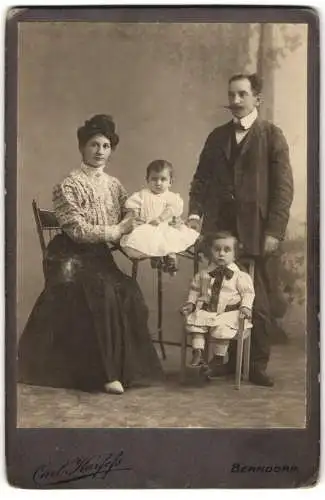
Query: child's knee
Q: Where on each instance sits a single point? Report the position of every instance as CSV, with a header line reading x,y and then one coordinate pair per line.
x,y
196,330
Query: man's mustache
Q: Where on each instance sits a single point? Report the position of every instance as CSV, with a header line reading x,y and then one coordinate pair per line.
x,y
232,108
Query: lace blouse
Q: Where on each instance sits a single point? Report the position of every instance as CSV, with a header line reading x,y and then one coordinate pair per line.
x,y
89,205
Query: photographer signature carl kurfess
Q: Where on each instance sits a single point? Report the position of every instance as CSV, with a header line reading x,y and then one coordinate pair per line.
x,y
76,468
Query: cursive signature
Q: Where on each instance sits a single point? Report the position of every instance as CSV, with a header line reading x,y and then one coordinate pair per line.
x,y
74,469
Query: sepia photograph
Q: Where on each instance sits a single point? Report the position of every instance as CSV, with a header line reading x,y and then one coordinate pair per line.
x,y
161,224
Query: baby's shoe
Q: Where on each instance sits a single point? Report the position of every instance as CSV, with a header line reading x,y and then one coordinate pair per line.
x,y
170,265
156,262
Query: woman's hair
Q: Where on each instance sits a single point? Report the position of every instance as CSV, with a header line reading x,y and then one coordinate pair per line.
x,y
98,125
209,238
158,166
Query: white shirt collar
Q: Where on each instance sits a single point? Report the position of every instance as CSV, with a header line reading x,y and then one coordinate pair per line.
x,y
91,171
248,120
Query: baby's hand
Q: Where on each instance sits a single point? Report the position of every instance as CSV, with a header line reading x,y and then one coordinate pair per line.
x,y
176,222
154,222
187,308
245,312
137,221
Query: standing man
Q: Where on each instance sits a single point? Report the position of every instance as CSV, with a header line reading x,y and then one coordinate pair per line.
x,y
243,184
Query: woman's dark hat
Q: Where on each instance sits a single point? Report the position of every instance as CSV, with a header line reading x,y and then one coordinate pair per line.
x,y
98,124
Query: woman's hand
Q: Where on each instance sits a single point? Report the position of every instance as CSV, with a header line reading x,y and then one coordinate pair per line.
x,y
126,225
187,308
245,312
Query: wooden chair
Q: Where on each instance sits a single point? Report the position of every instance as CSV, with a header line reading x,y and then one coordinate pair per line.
x,y
47,227
243,339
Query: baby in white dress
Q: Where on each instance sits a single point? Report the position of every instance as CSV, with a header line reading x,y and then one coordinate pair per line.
x,y
218,295
160,233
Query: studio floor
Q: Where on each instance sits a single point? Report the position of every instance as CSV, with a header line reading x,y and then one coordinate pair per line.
x,y
214,404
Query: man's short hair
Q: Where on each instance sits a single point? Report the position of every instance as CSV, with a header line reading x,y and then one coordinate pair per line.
x,y
254,79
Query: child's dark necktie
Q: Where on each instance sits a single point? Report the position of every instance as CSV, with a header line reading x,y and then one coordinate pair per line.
x,y
219,273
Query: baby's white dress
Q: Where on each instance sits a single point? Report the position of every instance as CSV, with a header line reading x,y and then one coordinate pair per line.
x,y
157,241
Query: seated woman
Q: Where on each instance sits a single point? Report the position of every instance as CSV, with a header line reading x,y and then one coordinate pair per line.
x,y
88,329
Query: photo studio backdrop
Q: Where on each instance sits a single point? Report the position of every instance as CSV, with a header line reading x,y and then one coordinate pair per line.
x,y
165,85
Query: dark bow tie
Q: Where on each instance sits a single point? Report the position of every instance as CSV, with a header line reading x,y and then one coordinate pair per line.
x,y
239,127
222,272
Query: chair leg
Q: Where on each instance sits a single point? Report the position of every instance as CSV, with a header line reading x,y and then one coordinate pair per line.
x,y
135,265
196,260
246,356
206,352
183,356
160,304
239,361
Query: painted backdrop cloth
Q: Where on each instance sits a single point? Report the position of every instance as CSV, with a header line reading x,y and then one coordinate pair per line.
x,y
157,241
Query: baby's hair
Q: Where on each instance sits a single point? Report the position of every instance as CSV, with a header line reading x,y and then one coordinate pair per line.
x,y
158,166
209,238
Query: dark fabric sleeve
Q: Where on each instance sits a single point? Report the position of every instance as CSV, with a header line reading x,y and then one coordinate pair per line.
x,y
201,179
281,184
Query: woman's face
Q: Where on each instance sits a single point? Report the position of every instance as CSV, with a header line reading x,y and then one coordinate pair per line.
x,y
96,151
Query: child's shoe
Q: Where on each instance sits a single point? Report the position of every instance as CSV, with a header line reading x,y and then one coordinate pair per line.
x,y
197,358
216,367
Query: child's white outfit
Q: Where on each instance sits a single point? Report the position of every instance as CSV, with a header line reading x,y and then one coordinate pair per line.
x,y
217,307
161,240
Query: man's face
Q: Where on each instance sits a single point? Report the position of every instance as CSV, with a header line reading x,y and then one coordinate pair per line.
x,y
242,99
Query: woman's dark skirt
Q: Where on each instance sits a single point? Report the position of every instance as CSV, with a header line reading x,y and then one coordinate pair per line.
x,y
89,325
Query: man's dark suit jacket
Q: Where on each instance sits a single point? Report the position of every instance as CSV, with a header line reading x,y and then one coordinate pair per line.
x,y
259,184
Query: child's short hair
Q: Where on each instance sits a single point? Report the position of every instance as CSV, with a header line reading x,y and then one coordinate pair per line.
x,y
209,238
158,166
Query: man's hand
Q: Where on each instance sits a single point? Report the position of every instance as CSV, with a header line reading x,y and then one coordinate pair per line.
x,y
271,244
187,308
245,312
194,224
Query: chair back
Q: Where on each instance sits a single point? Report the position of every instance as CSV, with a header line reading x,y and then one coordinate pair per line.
x,y
46,224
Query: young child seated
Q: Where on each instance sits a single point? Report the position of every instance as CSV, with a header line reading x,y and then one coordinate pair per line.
x,y
159,231
218,295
